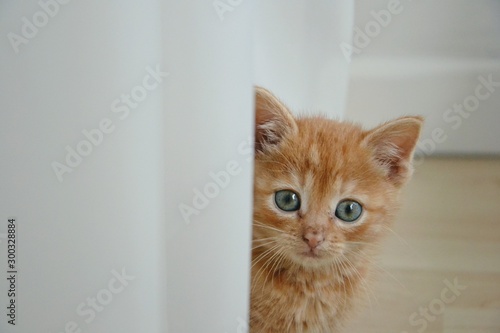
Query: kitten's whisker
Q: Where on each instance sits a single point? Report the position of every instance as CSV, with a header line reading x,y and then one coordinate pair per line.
x,y
262,225
263,254
362,243
262,245
377,265
266,264
342,281
364,285
347,275
401,239
265,242
264,239
276,264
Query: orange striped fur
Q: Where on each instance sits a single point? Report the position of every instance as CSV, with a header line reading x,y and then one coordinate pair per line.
x,y
294,287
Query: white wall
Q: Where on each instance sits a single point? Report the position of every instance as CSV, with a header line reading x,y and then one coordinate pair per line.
x,y
297,56
208,176
425,60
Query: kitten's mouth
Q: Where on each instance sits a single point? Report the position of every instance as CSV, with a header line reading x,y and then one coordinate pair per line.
x,y
312,258
313,253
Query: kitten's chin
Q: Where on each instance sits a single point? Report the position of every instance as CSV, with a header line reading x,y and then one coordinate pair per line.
x,y
313,259
311,254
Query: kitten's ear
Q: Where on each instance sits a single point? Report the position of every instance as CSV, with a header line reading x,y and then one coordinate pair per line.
x,y
393,144
272,120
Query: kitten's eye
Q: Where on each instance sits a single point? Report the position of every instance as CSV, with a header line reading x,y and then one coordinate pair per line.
x,y
348,210
287,200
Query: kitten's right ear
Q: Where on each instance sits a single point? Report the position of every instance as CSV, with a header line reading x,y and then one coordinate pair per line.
x,y
393,144
272,120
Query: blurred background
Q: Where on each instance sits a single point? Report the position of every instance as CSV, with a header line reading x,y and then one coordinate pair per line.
x,y
440,267
424,59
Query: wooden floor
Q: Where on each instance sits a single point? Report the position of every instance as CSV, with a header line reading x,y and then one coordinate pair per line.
x,y
440,270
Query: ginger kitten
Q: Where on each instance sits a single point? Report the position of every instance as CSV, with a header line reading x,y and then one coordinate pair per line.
x,y
324,193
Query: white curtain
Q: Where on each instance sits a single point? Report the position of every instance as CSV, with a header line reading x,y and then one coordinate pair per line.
x,y
126,133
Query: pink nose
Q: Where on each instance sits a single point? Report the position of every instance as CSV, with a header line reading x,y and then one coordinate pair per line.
x,y
313,239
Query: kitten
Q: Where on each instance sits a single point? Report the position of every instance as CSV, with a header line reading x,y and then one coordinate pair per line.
x,y
324,193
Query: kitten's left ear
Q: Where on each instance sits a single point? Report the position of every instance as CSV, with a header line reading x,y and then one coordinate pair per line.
x,y
393,144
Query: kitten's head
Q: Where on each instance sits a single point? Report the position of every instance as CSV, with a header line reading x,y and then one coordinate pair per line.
x,y
325,190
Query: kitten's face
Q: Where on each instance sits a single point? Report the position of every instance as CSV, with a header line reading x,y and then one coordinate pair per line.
x,y
312,188
325,190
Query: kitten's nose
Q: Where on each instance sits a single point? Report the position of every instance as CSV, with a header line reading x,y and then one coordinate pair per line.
x,y
313,238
